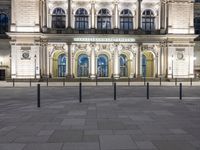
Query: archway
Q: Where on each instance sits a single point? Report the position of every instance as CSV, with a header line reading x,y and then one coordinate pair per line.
x,y
59,64
123,66
147,64
62,65
102,66
83,66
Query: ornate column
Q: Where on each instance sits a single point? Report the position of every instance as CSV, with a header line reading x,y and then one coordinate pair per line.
x,y
139,14
44,17
93,61
92,14
163,17
139,59
116,15
69,13
69,60
13,18
116,61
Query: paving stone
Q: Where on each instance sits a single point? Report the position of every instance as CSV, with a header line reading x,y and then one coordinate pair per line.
x,y
81,146
66,136
11,146
45,146
145,145
116,142
73,122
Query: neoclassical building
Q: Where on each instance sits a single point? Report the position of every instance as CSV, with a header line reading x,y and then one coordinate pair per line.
x,y
89,38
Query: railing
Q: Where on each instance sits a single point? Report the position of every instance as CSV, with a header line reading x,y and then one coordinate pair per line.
x,y
99,31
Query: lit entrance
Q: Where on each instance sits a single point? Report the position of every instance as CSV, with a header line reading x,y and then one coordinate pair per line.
x,y
123,66
102,66
83,66
62,65
147,64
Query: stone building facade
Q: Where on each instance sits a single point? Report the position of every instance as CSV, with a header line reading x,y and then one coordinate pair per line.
x,y
89,38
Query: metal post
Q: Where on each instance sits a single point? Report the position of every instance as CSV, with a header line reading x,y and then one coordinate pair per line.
x,y
30,82
115,91
80,92
129,82
38,95
160,81
13,82
63,82
180,92
47,81
190,81
144,81
175,81
147,90
96,80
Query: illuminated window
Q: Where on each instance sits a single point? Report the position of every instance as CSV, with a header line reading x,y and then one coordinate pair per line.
x,y
58,18
126,20
197,25
81,19
3,23
148,21
104,19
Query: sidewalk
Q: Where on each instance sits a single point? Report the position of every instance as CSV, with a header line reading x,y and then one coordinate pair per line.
x,y
99,124
27,84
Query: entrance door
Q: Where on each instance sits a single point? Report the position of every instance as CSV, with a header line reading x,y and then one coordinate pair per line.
x,y
147,64
83,66
102,66
62,65
2,74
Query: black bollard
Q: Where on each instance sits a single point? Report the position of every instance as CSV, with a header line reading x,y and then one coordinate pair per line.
x,y
180,92
115,91
13,82
38,95
144,81
129,82
190,81
80,92
30,82
175,81
160,81
147,90
63,82
47,81
96,80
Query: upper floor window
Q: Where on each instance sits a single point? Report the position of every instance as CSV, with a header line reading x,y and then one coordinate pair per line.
x,y
3,23
58,18
81,19
148,21
104,19
197,25
197,1
126,20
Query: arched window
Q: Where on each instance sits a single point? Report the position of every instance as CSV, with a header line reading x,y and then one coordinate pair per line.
x,y
62,65
148,21
126,20
81,19
58,18
197,25
3,23
83,66
102,66
104,19
123,66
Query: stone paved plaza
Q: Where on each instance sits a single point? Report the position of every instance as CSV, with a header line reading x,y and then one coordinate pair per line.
x,y
99,123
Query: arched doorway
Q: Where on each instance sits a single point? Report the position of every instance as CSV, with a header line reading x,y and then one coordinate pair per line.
x,y
83,66
62,65
123,66
102,66
147,64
